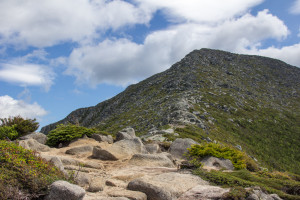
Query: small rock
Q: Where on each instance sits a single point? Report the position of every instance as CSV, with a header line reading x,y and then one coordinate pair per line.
x,y
125,134
217,163
153,148
151,160
63,190
132,195
116,183
82,179
103,138
204,192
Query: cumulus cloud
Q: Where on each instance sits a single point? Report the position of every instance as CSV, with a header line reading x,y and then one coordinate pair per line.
x,y
11,107
27,75
289,54
48,22
295,9
122,61
201,11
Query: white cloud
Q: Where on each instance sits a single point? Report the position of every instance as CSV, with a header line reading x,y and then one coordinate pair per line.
x,y
289,54
11,107
295,9
122,61
48,22
27,75
201,11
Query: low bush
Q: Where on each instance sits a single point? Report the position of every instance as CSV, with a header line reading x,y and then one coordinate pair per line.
x,y
239,159
67,133
286,186
21,125
23,175
8,132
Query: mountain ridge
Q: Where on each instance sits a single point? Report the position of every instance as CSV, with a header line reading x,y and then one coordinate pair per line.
x,y
210,94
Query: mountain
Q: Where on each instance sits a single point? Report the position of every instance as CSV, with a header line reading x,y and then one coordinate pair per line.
x,y
247,101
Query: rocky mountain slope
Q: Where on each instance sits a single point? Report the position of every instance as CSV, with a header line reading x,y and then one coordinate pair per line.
x,y
251,102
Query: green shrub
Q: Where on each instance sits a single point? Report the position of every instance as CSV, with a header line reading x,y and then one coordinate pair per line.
x,y
23,175
67,133
22,126
8,132
238,158
236,193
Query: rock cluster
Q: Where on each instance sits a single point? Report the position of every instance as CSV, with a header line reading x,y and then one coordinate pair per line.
x,y
128,169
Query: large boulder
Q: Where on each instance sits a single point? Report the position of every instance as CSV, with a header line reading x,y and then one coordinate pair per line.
x,y
179,147
211,162
40,137
153,148
204,192
103,138
63,190
34,145
120,150
80,150
166,186
125,134
133,195
151,160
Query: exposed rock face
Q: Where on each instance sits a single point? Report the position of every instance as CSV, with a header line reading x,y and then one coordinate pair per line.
x,y
166,185
151,160
217,163
120,150
40,137
62,190
103,138
153,148
34,145
125,134
79,150
204,192
179,147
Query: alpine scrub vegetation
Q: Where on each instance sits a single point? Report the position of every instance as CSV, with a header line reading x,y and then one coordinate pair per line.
x,y
15,127
24,175
66,133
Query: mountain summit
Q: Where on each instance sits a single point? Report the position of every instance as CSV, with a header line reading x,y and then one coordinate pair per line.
x,y
247,101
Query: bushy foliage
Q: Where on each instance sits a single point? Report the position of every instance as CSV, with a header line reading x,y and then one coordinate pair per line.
x,y
238,158
67,133
21,125
285,185
236,193
8,132
23,175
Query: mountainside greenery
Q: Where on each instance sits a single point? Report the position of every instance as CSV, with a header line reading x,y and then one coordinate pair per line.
x,y
250,101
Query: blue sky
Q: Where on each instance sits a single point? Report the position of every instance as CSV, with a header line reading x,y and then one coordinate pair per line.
x,y
60,55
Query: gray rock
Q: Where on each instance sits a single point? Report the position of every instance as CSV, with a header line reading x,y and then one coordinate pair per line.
x,y
153,192
204,192
153,148
120,150
179,147
63,190
125,134
252,197
40,137
217,163
111,198
151,160
116,183
34,145
103,138
80,150
57,163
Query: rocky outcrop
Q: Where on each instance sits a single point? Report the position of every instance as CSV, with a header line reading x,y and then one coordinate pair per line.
x,y
62,190
125,134
40,137
80,150
34,145
120,150
210,162
204,192
132,195
166,185
103,138
153,148
151,160
179,147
